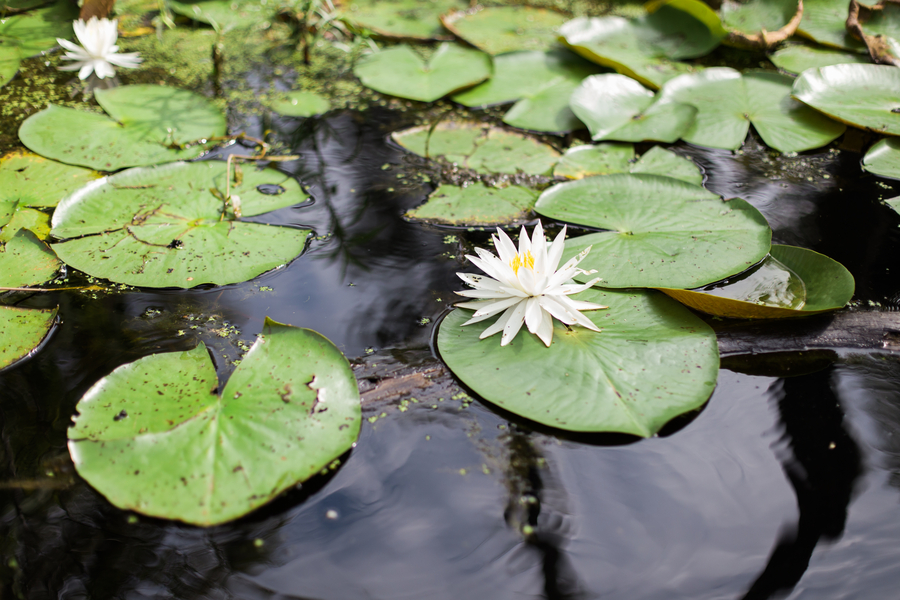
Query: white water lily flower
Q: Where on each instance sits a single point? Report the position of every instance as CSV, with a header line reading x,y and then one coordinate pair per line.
x,y
98,49
527,287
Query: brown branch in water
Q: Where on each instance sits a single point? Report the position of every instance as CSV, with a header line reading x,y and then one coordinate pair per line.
x,y
877,45
765,39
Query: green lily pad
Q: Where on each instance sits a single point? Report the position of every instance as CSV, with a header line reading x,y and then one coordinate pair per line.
x,y
479,147
32,180
605,159
729,102
524,74
865,96
791,282
662,232
302,104
645,49
476,205
25,260
31,33
22,330
499,29
546,111
224,15
753,16
29,219
616,107
824,21
893,203
652,361
399,71
167,227
883,158
144,122
797,58
154,436
403,19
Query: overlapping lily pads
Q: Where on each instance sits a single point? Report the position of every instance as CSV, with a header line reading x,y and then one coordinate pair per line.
x,y
728,102
662,232
155,437
146,125
476,205
404,19
22,330
883,158
605,159
499,29
32,180
173,226
865,96
791,282
399,71
824,21
616,107
25,260
645,49
30,33
652,361
797,58
480,147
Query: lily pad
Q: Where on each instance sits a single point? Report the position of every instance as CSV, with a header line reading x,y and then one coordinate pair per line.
x,y
399,71
791,282
662,232
480,147
729,102
22,330
797,58
754,16
646,48
22,217
302,104
605,159
156,437
224,15
25,260
824,21
32,180
652,361
525,74
31,33
168,226
546,111
144,127
616,107
499,29
883,158
403,19
476,205
865,96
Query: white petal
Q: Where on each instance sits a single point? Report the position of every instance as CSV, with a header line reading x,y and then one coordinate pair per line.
x,y
504,246
482,294
86,70
513,323
555,252
69,45
129,60
579,318
481,282
533,314
494,268
103,69
495,307
524,242
545,330
498,325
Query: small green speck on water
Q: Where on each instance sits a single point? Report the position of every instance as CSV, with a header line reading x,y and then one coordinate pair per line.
x,y
462,471
258,542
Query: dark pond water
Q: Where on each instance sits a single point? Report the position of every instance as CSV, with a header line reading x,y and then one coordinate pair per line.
x,y
780,486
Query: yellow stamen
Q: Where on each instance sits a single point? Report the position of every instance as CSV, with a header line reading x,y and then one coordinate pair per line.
x,y
526,260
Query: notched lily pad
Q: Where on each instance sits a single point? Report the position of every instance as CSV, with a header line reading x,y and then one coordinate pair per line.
x,y
154,436
22,330
865,96
25,260
146,126
479,147
32,180
171,226
605,159
499,29
728,102
476,205
616,107
652,361
790,282
662,232
400,72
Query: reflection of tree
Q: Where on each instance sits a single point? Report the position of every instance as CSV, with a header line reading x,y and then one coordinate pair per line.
x,y
822,465
545,533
